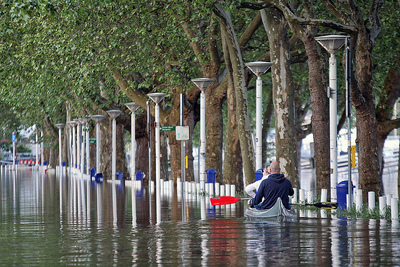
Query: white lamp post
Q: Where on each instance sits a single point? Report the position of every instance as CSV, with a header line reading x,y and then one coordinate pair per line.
x,y
113,114
98,119
133,107
87,146
157,97
259,68
41,148
202,84
37,146
71,137
84,122
78,143
60,126
332,43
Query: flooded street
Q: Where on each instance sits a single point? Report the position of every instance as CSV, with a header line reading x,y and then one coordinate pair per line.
x,y
79,222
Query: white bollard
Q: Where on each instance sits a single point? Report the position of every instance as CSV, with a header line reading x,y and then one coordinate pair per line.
x,y
233,190
382,206
324,195
178,184
394,209
294,198
222,190
310,196
388,199
228,189
217,189
211,189
371,200
193,187
301,196
359,203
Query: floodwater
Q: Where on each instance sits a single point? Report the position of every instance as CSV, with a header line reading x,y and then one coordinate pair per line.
x,y
79,222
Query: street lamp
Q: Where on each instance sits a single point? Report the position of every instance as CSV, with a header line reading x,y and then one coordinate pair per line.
x,y
60,126
133,107
259,68
157,97
98,119
202,84
332,43
113,114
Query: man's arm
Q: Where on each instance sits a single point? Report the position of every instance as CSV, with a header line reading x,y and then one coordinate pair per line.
x,y
260,193
250,190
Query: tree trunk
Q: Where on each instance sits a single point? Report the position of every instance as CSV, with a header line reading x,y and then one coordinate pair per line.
x,y
233,165
320,112
283,88
364,102
241,95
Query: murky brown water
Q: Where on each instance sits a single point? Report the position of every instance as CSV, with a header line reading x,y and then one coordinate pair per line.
x,y
106,224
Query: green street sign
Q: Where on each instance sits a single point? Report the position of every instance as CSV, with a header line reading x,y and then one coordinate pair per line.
x,y
92,140
167,128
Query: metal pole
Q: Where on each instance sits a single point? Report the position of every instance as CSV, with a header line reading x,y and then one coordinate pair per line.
x,y
78,144
114,114
74,145
133,146
41,148
158,169
149,147
183,156
348,114
13,140
83,150
37,147
87,150
202,139
114,148
98,146
333,124
259,123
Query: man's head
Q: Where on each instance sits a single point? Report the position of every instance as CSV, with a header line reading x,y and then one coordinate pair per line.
x,y
275,167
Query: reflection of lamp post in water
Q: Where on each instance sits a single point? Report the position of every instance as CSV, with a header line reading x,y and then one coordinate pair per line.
x,y
60,126
202,84
259,68
98,119
157,97
113,114
133,107
332,43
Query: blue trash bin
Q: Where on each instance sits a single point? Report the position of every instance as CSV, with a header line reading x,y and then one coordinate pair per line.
x,y
139,176
211,175
99,177
119,176
92,173
64,164
44,163
259,174
342,189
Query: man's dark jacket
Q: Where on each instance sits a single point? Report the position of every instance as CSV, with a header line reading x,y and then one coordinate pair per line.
x,y
276,185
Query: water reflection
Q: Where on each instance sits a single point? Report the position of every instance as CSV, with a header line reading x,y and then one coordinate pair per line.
x,y
76,221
